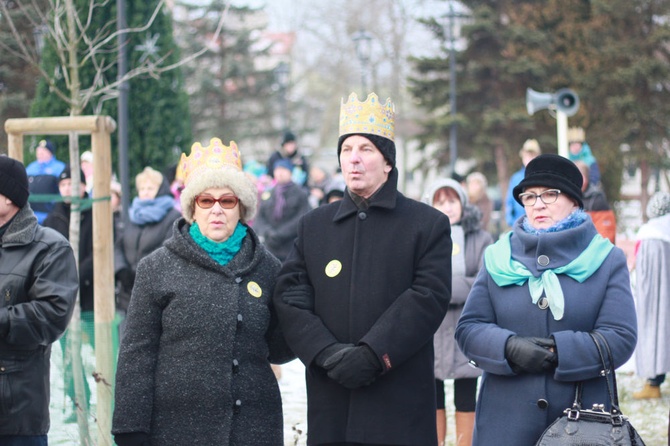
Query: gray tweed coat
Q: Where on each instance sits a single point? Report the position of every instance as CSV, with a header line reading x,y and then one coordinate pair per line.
x,y
194,366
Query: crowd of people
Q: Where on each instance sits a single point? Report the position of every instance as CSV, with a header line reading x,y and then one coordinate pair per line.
x,y
224,270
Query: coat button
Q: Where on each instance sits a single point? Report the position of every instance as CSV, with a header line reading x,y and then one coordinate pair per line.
x,y
543,260
543,303
362,215
473,363
542,404
2,369
237,406
236,366
239,320
238,280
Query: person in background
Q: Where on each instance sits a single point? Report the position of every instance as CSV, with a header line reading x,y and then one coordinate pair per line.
x,y
194,365
545,286
513,210
116,192
476,185
361,294
469,241
334,191
289,150
59,219
652,265
318,182
579,150
86,159
38,278
596,205
279,211
151,216
43,177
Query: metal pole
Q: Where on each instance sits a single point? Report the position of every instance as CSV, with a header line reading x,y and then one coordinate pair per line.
x,y
122,112
453,133
562,133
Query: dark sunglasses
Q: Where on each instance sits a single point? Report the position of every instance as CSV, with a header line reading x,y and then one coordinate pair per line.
x,y
225,201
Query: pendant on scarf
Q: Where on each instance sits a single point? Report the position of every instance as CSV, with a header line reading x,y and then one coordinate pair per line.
x,y
543,303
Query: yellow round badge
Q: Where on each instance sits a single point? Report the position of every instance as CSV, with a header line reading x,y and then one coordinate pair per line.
x,y
455,249
333,268
265,195
254,289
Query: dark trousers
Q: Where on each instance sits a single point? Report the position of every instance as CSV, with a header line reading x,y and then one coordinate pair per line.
x,y
23,440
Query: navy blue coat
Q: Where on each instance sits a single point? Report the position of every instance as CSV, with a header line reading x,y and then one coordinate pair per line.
x,y
382,277
511,408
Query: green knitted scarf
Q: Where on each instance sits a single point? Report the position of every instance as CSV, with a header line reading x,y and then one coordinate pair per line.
x,y
221,252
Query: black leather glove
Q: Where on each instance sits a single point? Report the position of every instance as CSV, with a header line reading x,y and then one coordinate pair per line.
x,y
132,439
529,355
329,351
299,296
353,367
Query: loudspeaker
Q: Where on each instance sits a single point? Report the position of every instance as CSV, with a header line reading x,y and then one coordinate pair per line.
x,y
536,101
564,100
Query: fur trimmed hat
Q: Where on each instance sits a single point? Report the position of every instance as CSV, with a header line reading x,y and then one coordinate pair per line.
x,y
236,180
216,166
14,181
659,205
555,172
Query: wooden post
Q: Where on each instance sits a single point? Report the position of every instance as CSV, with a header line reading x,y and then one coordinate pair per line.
x,y
100,128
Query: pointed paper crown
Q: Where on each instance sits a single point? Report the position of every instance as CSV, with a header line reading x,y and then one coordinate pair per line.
x,y
370,117
215,156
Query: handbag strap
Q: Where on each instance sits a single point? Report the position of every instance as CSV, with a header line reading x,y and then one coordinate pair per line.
x,y
608,370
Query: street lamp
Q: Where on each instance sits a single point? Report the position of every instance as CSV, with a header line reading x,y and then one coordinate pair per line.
x,y
455,19
281,74
363,41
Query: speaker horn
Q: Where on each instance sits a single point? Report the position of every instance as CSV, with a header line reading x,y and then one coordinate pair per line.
x,y
536,101
564,100
567,101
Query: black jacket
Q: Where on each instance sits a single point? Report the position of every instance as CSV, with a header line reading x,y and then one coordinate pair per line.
x,y
38,282
382,277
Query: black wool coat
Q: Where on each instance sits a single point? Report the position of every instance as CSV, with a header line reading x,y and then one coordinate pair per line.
x,y
382,277
194,365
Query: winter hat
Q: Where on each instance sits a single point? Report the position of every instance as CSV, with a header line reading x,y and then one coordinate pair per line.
x,y
443,183
576,134
87,156
66,174
47,144
216,165
283,162
555,172
659,205
13,181
371,119
288,137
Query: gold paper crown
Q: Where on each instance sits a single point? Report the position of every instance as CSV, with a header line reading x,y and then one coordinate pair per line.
x,y
215,156
370,116
576,134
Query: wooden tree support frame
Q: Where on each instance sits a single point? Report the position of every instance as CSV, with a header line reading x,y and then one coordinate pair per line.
x,y
100,129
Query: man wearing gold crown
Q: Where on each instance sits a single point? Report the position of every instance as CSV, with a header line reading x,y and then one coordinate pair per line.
x,y
364,289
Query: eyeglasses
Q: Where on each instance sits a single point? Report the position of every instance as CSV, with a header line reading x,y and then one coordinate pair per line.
x,y
549,196
225,201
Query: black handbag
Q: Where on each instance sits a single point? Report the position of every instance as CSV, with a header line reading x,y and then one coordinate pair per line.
x,y
593,427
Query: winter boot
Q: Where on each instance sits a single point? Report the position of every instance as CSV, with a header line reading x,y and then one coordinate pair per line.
x,y
465,425
648,392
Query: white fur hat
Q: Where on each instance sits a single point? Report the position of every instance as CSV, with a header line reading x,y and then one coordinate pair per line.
x,y
216,166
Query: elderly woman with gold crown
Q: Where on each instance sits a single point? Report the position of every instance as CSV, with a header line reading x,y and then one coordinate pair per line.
x,y
194,365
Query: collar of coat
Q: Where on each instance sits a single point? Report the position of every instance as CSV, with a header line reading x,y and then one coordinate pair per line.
x,y
504,270
21,230
385,198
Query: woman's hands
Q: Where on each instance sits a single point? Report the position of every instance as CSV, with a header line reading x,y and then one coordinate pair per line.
x,y
530,354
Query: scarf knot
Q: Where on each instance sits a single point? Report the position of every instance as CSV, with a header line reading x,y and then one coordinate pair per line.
x,y
504,271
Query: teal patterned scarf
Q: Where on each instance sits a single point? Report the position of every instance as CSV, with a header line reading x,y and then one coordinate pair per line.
x,y
221,252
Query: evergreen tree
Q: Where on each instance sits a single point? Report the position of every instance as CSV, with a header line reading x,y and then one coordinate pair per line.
x,y
232,94
159,119
17,78
613,53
